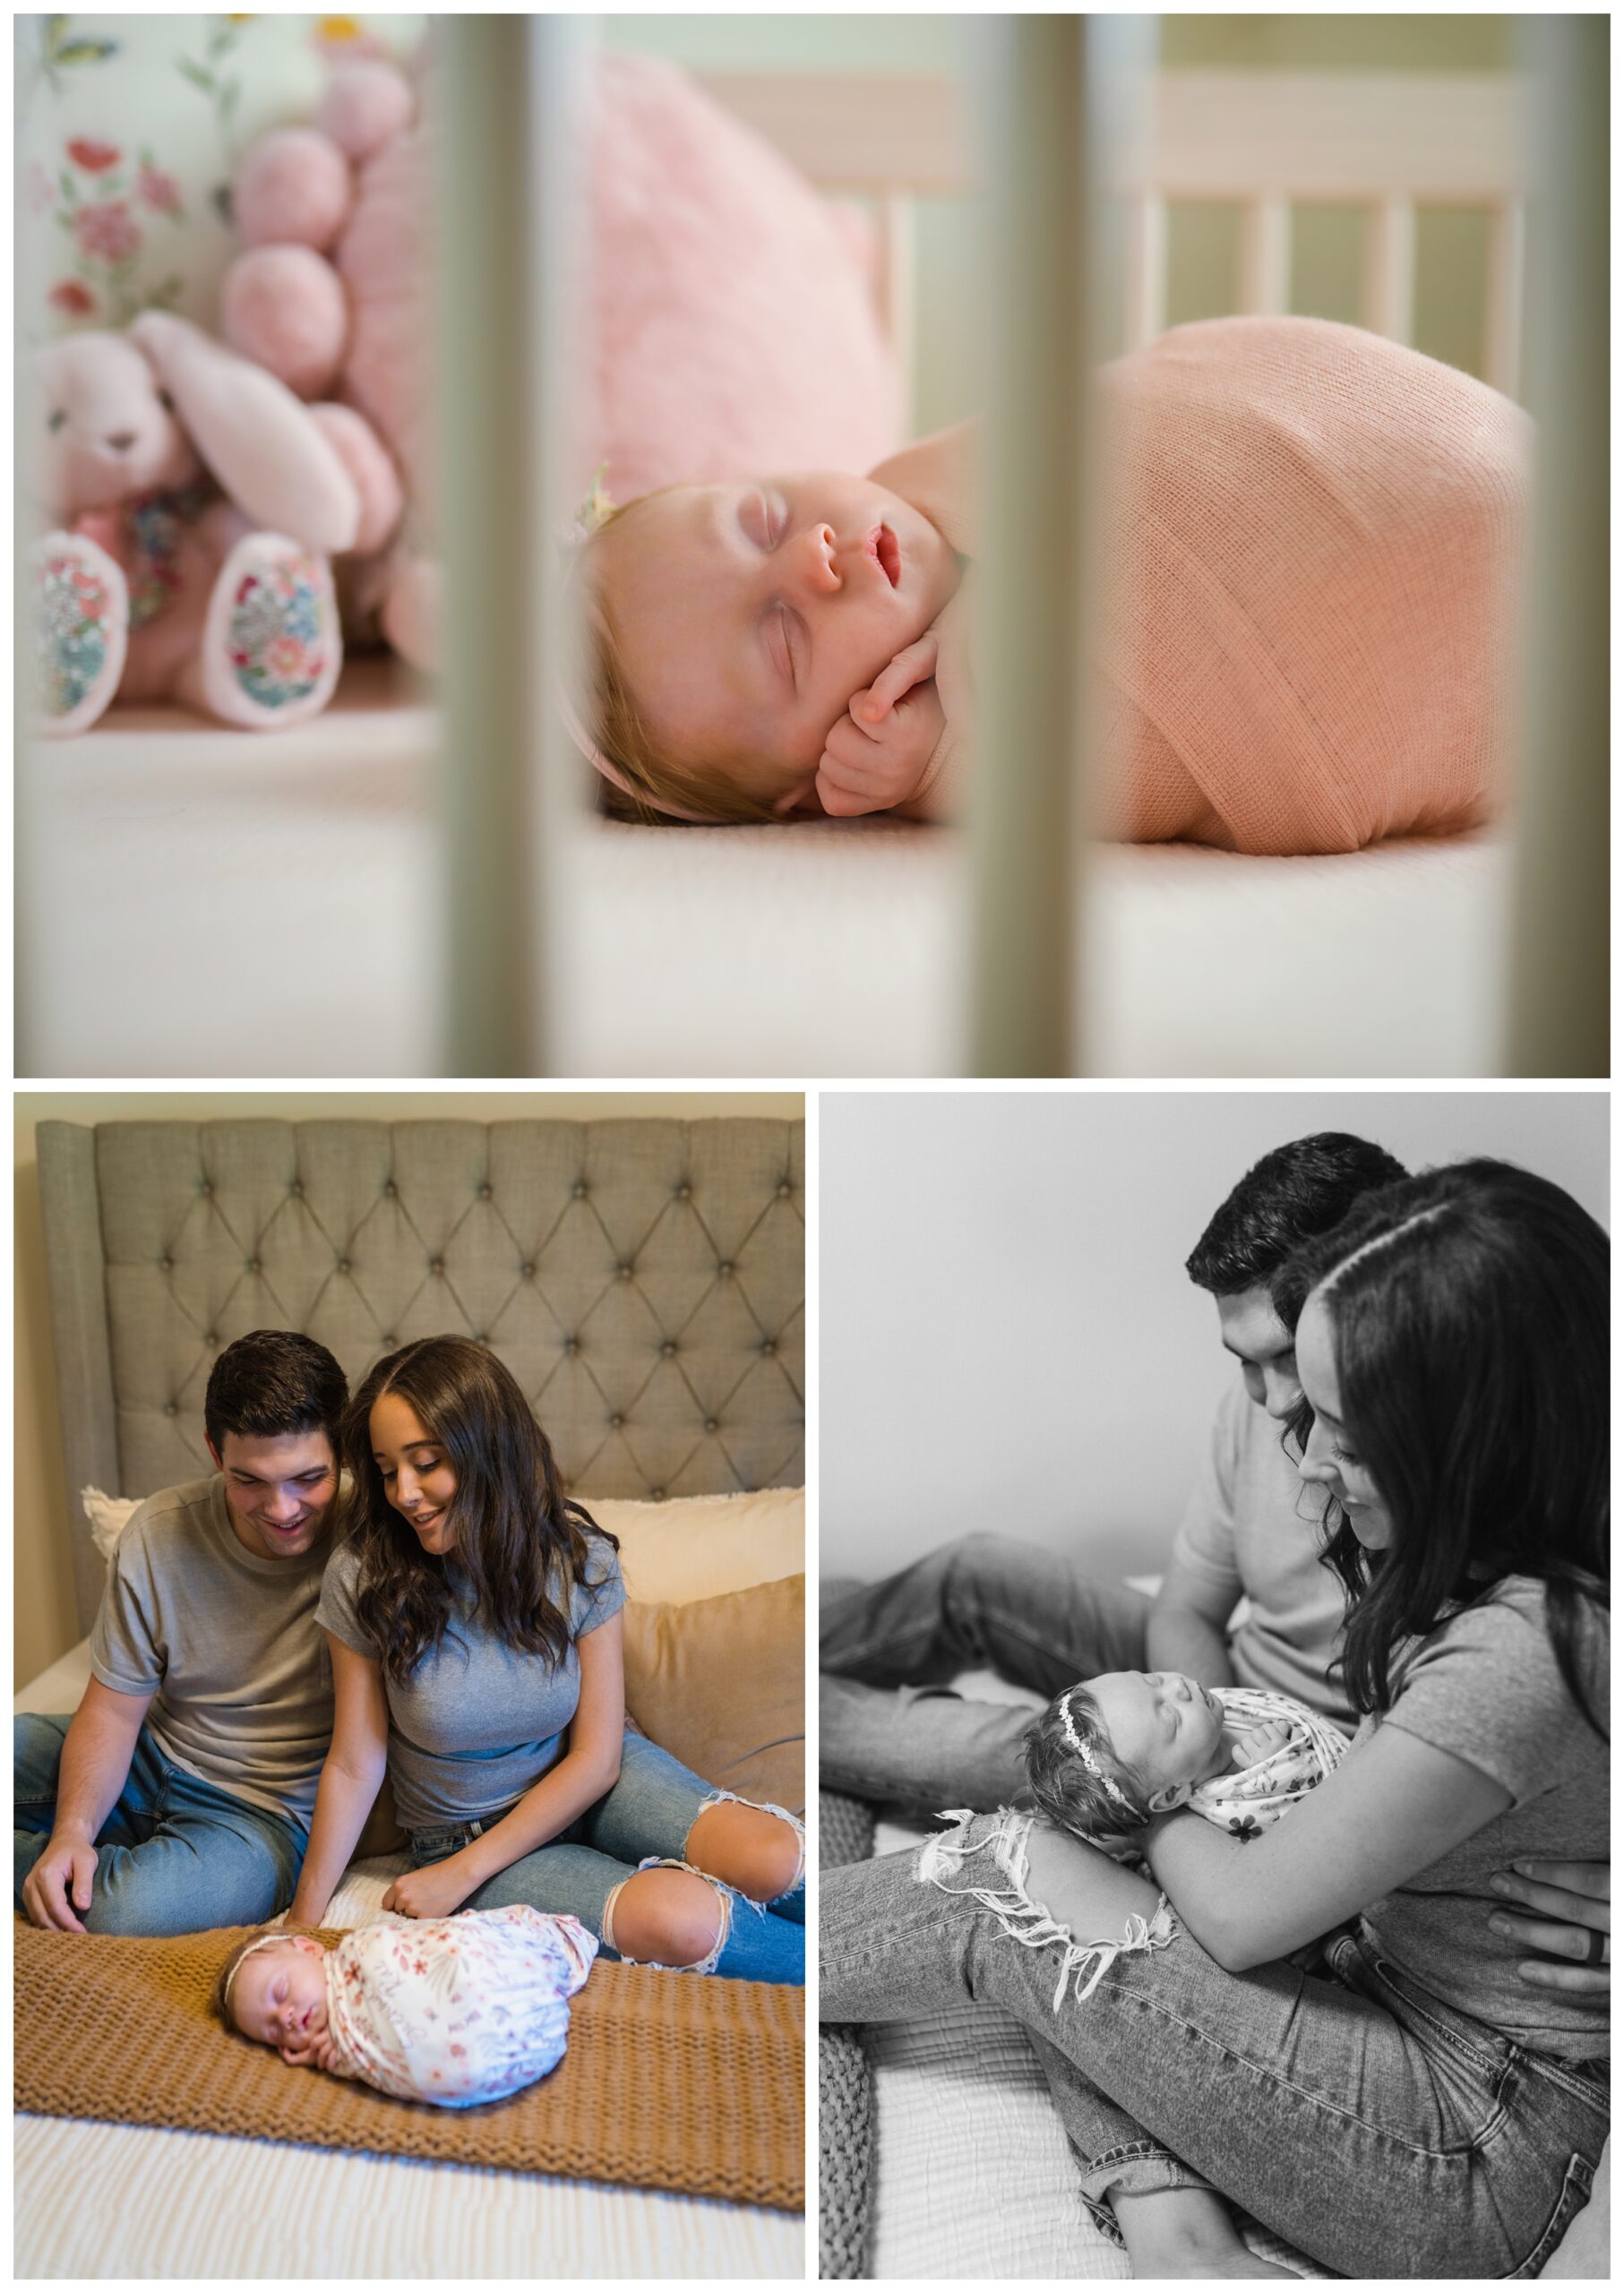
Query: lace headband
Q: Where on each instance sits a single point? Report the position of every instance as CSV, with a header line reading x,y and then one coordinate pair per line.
x,y
595,511
263,1943
1086,1756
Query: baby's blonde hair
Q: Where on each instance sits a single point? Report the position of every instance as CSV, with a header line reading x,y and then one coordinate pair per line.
x,y
656,778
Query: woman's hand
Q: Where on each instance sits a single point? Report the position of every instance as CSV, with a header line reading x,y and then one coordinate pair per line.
x,y
1574,1901
432,1893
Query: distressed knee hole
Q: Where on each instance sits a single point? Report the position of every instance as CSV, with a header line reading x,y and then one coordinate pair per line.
x,y
667,1918
752,1849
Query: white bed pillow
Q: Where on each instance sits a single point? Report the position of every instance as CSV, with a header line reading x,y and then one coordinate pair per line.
x,y
680,1550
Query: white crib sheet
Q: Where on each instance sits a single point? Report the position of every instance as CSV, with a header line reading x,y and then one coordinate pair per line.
x,y
90,2199
192,893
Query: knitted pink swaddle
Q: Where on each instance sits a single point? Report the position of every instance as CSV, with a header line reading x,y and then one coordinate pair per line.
x,y
1312,540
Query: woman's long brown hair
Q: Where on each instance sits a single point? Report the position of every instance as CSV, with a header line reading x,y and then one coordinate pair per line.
x,y
521,1543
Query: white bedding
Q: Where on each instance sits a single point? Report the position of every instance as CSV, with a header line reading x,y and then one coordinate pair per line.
x,y
185,891
115,2201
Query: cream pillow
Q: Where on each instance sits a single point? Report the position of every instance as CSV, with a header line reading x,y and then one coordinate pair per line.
x,y
687,1549
106,1517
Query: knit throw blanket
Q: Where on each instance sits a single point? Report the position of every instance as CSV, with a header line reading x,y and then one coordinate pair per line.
x,y
845,2102
669,2083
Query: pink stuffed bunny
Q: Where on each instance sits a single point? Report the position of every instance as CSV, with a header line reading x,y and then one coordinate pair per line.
x,y
195,502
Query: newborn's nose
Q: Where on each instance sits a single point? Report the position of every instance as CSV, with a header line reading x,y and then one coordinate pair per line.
x,y
817,560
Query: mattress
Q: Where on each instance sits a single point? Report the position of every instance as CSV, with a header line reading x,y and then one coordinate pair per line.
x,y
185,891
151,2203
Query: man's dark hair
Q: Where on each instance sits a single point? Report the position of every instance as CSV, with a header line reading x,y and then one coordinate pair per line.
x,y
1298,1191
272,1382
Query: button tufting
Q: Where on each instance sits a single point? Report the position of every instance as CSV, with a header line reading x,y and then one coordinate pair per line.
x,y
171,1409
668,1349
658,1496
481,1337
784,1189
724,1268
389,1188
769,1348
528,1271
711,1425
167,1265
253,1266
572,1345
213,1338
204,1187
579,1189
297,1186
486,1191
436,1265
623,1271
684,1192
617,1420
343,1266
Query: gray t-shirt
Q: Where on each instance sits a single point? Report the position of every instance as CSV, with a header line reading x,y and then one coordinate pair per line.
x,y
1251,1527
477,1723
228,1642
1485,1687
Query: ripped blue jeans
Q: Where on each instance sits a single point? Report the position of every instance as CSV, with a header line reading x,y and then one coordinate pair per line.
x,y
1382,2132
644,1818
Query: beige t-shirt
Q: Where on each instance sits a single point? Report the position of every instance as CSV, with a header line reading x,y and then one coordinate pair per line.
x,y
227,1644
1251,1529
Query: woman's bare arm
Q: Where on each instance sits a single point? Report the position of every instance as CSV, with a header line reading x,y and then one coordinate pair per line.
x,y
351,1775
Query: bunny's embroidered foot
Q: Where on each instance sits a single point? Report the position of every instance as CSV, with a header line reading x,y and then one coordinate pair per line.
x,y
271,648
81,626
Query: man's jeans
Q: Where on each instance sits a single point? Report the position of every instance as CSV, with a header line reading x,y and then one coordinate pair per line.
x,y
175,1854
984,1601
645,1816
1382,2132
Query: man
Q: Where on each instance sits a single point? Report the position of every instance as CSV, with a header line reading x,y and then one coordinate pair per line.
x,y
891,1730
179,1795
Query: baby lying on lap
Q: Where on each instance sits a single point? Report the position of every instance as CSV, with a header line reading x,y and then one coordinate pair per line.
x,y
1112,1752
456,2011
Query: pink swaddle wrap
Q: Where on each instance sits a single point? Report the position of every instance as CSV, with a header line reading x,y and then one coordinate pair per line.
x,y
458,2010
1313,538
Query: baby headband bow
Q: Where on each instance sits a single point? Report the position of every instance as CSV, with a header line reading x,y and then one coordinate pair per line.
x,y
263,1943
1086,1756
596,511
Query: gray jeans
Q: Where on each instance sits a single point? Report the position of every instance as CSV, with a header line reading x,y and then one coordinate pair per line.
x,y
1382,2132
984,1601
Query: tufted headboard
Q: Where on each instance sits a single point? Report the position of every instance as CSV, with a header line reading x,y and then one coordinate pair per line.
x,y
645,1282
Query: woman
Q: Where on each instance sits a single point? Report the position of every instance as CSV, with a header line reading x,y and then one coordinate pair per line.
x,y
1381,2088
473,1614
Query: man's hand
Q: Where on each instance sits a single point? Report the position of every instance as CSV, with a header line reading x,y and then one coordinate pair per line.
x,y
1574,1903
876,756
59,1881
1262,1742
432,1893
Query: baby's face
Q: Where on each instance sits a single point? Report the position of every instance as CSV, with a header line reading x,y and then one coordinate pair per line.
x,y
280,1995
750,613
1168,1729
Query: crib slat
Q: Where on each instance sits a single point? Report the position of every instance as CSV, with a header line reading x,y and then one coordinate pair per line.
x,y
1559,1022
1147,283
1265,256
1024,847
1390,269
1503,345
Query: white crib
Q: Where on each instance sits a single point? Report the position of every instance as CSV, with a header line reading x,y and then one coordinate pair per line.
x,y
470,917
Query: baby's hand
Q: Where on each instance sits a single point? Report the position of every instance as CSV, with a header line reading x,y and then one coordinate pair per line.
x,y
876,756
315,2052
1262,1742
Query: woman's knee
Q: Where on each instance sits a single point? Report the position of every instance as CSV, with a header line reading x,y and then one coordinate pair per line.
x,y
747,1848
667,1918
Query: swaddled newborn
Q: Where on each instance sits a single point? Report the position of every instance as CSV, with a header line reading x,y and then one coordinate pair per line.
x,y
455,2011
1311,537
1112,1752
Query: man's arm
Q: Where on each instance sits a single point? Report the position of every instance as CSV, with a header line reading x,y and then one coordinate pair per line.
x,y
96,1755
1185,1632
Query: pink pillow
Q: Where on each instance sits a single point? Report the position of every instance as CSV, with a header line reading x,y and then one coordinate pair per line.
x,y
736,327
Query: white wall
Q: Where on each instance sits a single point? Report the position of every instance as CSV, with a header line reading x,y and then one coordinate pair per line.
x,y
1008,1337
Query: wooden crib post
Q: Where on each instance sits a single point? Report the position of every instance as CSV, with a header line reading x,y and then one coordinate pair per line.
x,y
501,283
1557,1009
1026,804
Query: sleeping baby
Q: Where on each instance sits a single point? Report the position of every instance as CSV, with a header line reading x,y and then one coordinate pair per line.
x,y
1312,536
1112,1752
456,2011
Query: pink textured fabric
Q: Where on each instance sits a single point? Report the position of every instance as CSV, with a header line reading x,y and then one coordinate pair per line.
x,y
1313,541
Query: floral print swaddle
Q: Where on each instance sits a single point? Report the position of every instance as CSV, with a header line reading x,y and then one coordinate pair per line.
x,y
1248,1799
459,2010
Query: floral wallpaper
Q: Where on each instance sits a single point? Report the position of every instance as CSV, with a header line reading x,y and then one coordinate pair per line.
x,y
130,131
